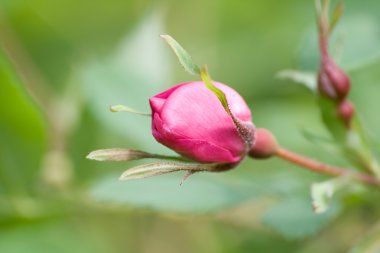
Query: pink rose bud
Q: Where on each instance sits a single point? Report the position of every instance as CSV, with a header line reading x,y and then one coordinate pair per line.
x,y
346,112
190,120
332,81
265,145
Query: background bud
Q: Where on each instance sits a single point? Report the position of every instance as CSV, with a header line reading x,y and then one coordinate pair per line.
x,y
346,111
332,80
265,144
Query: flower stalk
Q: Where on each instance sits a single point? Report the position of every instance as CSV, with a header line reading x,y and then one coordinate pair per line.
x,y
322,168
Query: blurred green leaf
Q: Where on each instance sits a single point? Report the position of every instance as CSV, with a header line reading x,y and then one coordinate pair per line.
x,y
294,218
38,237
332,122
183,56
200,194
21,133
307,78
369,243
138,70
355,44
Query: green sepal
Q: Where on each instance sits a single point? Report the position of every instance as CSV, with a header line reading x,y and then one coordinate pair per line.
x,y
218,93
123,108
161,168
335,126
127,154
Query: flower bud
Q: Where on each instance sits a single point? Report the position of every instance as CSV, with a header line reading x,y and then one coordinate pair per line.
x,y
333,81
265,145
346,112
190,120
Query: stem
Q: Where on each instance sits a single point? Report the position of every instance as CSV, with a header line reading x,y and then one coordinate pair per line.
x,y
323,25
323,168
34,82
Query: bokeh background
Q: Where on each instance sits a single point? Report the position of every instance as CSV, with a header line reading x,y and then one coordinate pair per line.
x,y
63,63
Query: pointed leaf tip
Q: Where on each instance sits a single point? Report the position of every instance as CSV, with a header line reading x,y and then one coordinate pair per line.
x,y
182,55
123,108
117,155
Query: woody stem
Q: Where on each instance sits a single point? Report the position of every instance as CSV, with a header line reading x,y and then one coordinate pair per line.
x,y
322,168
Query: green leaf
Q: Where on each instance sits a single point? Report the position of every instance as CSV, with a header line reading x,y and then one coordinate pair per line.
x,y
294,218
307,78
329,116
38,236
352,142
22,134
354,45
183,56
369,243
122,76
204,193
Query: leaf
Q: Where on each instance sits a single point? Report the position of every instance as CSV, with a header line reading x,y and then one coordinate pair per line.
x,y
123,108
122,76
204,193
183,56
307,78
355,44
322,193
37,236
316,138
17,113
332,122
160,168
294,218
369,243
323,142
118,154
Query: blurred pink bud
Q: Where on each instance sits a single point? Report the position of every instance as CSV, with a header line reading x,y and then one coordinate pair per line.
x,y
332,80
190,120
346,111
265,144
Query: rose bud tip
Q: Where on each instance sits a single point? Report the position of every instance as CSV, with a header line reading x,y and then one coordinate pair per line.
x,y
333,82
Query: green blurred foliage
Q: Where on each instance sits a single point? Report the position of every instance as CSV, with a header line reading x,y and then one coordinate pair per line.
x,y
92,54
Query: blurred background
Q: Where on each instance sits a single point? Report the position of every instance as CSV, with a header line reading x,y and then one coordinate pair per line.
x,y
63,63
